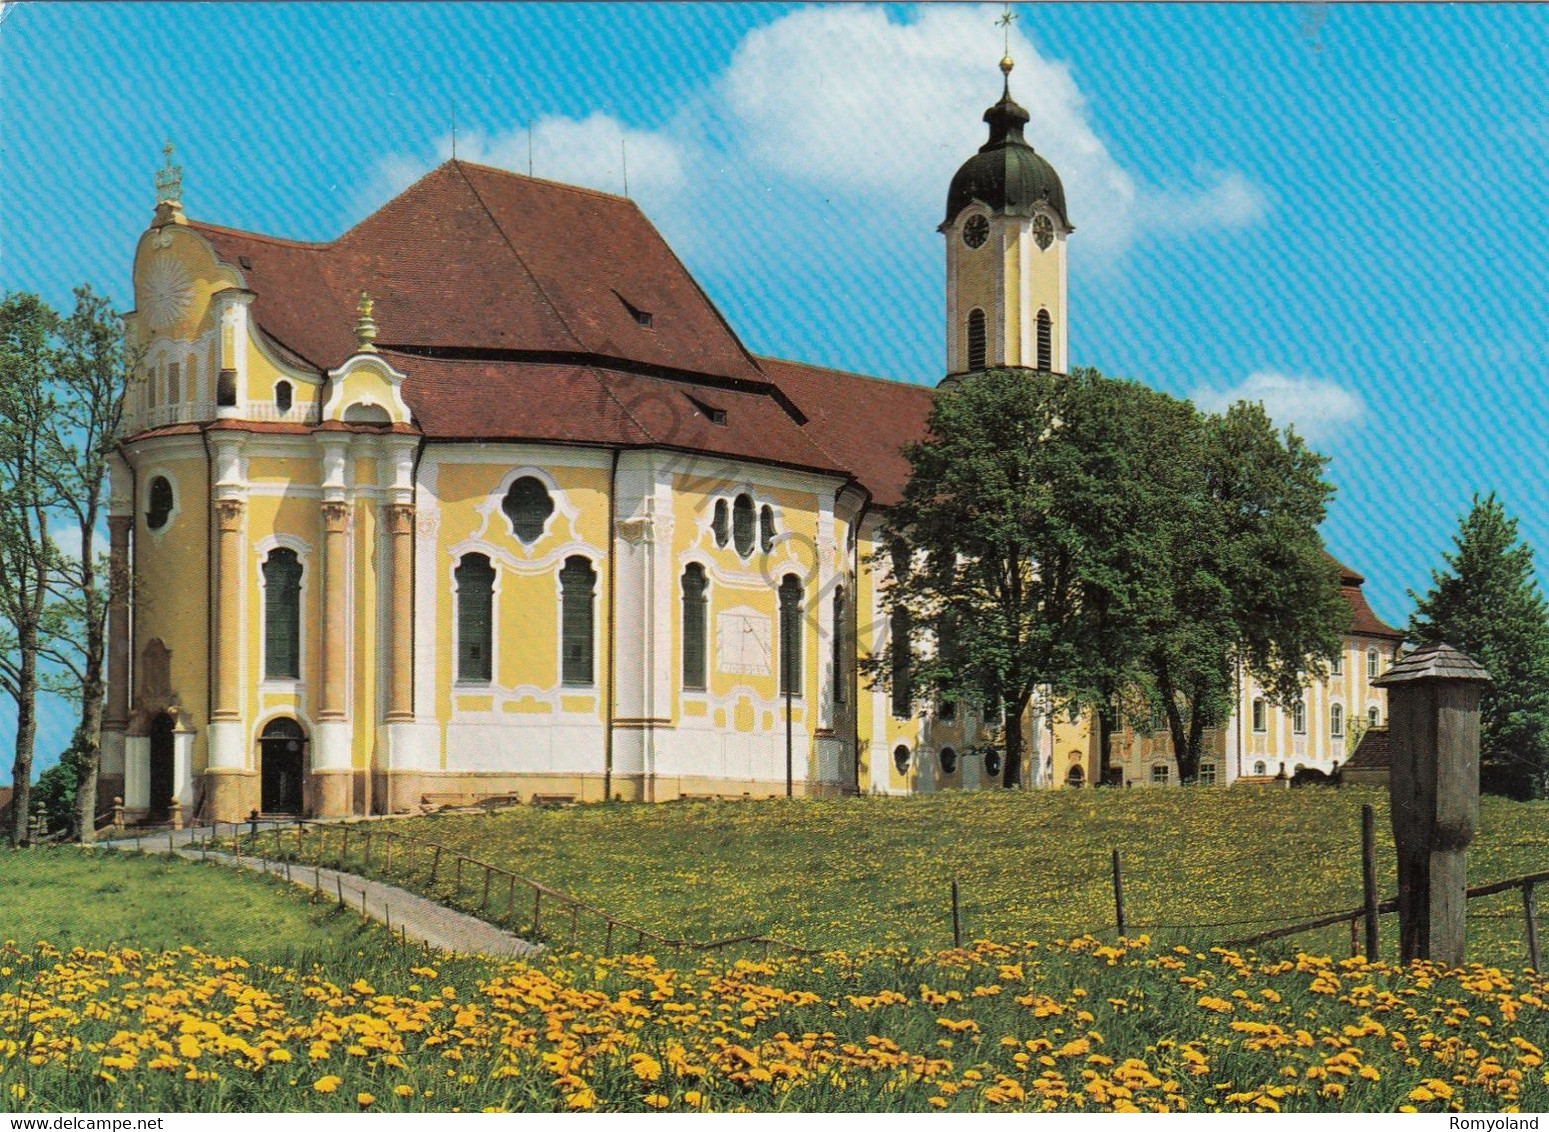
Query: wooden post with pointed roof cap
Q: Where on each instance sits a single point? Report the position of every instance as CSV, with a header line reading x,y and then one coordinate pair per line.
x,y
1433,791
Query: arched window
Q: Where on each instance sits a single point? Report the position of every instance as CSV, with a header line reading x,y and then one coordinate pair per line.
x,y
742,524
475,619
1075,777
1260,715
948,760
367,414
1371,664
790,635
1260,769
695,624
1336,720
1336,664
282,396
901,758
978,347
1299,717
903,692
1371,716
174,382
159,504
528,506
577,583
282,615
720,526
766,528
839,639
991,763
1045,341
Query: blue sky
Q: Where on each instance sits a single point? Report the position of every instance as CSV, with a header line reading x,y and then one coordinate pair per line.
x,y
1337,209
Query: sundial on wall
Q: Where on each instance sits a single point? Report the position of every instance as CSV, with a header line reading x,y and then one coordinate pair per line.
x,y
169,292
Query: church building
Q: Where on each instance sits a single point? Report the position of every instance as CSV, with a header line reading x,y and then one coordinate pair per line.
x,y
485,499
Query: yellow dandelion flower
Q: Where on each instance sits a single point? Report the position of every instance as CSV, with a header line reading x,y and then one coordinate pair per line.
x,y
657,1100
403,1090
365,1100
327,1084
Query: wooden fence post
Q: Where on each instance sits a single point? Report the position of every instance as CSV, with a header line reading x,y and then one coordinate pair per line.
x,y
367,863
387,866
484,900
1369,877
575,912
458,892
607,946
1531,913
1118,894
537,899
957,930
435,865
1433,791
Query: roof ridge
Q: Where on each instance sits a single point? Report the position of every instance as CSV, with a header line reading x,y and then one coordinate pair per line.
x,y
543,181
506,239
597,376
309,245
894,381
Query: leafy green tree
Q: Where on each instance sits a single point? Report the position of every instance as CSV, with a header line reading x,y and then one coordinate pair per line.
x,y
1245,579
27,554
977,543
1488,604
89,369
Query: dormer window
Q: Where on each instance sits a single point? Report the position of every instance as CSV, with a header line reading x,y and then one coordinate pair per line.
x,y
642,317
708,411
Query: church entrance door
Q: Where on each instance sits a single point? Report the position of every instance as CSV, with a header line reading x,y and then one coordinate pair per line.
x,y
282,762
161,767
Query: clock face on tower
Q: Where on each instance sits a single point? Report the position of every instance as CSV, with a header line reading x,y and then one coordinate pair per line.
x,y
976,231
1043,232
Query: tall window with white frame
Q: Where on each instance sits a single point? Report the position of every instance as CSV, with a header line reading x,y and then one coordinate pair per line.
x,y
838,639
1299,717
578,587
1260,715
903,689
790,635
695,626
1045,341
475,578
1336,721
282,615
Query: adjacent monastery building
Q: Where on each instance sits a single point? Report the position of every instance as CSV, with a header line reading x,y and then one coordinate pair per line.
x,y
484,498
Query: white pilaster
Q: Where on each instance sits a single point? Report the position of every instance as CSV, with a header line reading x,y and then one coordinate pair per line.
x,y
137,772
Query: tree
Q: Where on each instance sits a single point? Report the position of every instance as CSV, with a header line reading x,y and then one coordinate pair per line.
x,y
89,371
1245,580
27,555
977,541
1488,604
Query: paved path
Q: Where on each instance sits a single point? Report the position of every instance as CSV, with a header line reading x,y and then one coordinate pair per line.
x,y
420,920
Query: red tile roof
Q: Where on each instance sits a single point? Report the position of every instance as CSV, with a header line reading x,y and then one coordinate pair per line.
x,y
580,404
1363,619
477,259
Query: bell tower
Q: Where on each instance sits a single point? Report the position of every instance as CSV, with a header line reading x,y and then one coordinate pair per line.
x,y
1005,229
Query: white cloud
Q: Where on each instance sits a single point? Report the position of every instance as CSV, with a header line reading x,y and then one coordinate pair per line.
x,y
1318,407
852,108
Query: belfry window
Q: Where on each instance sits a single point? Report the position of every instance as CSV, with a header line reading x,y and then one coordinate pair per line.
x,y
528,506
282,615
174,393
160,503
742,524
1045,341
695,623
475,619
790,635
578,584
977,340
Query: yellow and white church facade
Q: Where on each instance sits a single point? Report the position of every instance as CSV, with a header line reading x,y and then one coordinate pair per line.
x,y
485,499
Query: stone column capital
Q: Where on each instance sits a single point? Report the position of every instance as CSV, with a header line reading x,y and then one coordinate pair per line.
x,y
336,514
229,512
400,518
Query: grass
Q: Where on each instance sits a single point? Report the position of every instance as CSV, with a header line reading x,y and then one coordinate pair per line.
x,y
1199,865
106,897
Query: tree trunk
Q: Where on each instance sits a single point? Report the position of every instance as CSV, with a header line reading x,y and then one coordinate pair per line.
x,y
1107,724
1011,773
88,739
26,732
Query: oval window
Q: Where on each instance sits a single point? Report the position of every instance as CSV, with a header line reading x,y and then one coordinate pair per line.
x,y
160,503
720,526
528,506
282,396
992,763
742,525
948,760
901,758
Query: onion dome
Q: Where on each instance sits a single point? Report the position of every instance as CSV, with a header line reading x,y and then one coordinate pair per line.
x,y
1006,174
